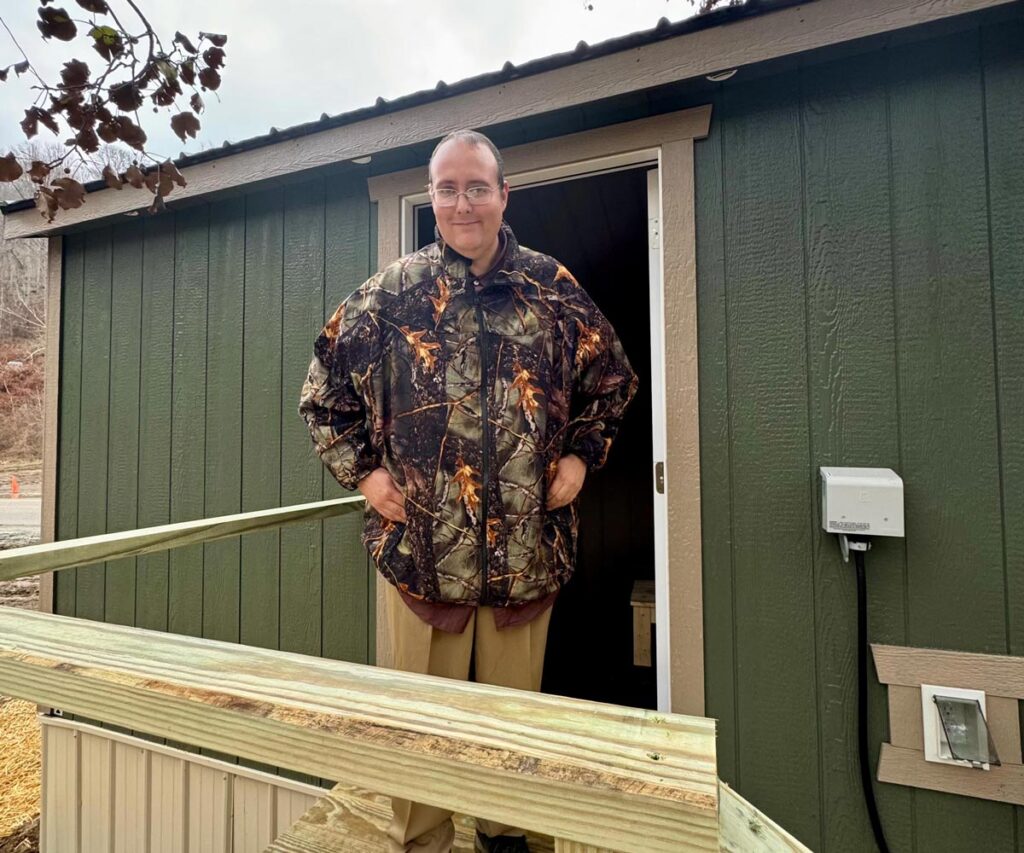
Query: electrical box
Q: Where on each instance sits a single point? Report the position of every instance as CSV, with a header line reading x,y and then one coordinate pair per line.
x,y
862,501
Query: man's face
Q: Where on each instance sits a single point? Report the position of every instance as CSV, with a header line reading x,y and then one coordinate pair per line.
x,y
470,229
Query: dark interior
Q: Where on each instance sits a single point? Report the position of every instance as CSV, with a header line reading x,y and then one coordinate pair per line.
x,y
597,227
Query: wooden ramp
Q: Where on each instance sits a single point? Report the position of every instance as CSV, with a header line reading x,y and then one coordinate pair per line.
x,y
354,820
592,777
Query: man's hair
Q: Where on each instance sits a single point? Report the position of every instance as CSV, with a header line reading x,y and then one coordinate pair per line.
x,y
471,137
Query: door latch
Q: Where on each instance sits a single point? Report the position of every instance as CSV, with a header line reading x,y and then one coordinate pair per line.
x,y
659,477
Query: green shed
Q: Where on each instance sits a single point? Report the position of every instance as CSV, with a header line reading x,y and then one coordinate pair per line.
x,y
804,221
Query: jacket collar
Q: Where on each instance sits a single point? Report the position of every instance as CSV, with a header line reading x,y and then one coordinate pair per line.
x,y
457,266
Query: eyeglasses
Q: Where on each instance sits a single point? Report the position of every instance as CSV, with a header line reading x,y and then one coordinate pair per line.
x,y
447,197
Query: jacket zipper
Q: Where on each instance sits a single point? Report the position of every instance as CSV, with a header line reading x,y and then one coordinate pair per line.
x,y
487,443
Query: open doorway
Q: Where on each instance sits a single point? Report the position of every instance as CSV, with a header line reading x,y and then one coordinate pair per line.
x,y
597,226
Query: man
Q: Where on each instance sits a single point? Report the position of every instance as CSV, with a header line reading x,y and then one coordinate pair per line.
x,y
466,390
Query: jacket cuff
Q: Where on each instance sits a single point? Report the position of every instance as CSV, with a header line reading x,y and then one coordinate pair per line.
x,y
589,447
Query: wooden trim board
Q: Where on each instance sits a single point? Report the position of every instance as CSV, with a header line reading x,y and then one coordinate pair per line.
x,y
616,777
670,139
775,34
902,761
901,766
1000,675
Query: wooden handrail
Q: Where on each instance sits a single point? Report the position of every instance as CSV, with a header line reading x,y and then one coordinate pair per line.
x,y
65,554
617,778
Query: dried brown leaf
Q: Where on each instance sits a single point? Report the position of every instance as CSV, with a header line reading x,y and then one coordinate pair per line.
x,y
68,192
86,139
185,124
126,96
214,57
188,71
169,169
97,6
10,168
56,23
38,171
74,74
184,41
113,180
130,133
133,175
46,203
215,38
196,103
34,115
209,78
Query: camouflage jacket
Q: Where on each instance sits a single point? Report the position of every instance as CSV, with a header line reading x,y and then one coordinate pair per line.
x,y
468,393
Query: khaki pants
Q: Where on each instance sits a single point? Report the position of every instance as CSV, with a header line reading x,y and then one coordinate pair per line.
x,y
512,657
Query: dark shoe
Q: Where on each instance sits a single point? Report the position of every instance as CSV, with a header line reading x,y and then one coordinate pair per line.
x,y
500,843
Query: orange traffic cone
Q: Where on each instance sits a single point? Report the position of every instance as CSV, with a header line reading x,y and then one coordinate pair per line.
x,y
15,488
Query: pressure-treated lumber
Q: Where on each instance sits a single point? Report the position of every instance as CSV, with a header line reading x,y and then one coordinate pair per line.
x,y
745,830
353,820
51,556
626,779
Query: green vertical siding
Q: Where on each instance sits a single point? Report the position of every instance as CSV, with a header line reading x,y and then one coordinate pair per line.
x,y
860,277
185,342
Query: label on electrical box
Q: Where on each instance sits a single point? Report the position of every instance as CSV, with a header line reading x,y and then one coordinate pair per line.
x,y
853,526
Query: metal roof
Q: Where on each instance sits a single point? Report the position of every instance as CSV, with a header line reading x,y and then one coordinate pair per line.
x,y
664,29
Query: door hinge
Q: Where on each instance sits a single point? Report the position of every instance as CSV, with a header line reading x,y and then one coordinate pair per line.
x,y
654,232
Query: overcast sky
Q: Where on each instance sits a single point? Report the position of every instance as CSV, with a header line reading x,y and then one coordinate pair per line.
x,y
288,61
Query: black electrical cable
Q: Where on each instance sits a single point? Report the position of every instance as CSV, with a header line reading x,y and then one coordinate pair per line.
x,y
862,703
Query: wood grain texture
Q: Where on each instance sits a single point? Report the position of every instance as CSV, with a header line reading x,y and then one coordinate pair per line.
x,y
223,463
772,491
606,775
786,31
93,429
1004,784
188,409
260,604
353,820
34,559
302,556
947,384
1000,675
125,386
348,598
155,414
69,404
853,411
746,830
51,409
716,449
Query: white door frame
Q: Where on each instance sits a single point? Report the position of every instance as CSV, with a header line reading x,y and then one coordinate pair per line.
x,y
666,141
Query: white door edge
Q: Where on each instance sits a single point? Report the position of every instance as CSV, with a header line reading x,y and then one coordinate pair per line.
x,y
659,435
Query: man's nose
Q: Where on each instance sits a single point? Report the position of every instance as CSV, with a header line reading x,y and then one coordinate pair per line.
x,y
462,204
